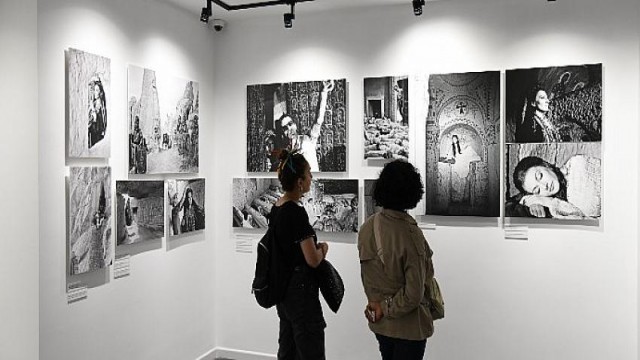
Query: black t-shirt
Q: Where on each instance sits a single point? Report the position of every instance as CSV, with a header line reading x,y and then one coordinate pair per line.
x,y
291,224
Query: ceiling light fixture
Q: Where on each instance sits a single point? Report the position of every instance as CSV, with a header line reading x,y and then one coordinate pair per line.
x,y
290,16
417,7
206,13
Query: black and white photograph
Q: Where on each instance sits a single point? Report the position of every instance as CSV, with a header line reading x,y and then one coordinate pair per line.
x,y
139,211
332,205
463,145
310,117
554,104
88,101
186,205
163,115
90,245
386,117
370,206
559,181
252,201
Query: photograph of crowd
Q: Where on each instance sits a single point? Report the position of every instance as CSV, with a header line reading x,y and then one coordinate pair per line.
x,y
386,118
139,211
554,104
186,205
332,205
88,96
560,180
163,115
463,145
89,241
310,117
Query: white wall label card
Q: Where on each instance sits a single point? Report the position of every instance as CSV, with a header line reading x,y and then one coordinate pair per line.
x,y
427,226
76,292
516,233
246,242
121,267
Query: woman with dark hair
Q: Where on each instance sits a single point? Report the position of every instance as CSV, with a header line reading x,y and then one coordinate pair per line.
x,y
306,143
301,320
455,146
460,157
192,213
396,266
97,125
570,192
536,125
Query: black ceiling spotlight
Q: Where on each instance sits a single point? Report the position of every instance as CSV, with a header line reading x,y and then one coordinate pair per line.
x,y
290,16
417,7
206,12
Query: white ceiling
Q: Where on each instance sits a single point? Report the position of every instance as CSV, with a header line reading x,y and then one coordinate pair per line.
x,y
195,6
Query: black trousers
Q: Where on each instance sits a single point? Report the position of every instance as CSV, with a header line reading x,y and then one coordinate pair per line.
x,y
301,321
401,349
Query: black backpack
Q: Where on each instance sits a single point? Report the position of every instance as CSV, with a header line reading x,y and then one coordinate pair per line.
x,y
270,280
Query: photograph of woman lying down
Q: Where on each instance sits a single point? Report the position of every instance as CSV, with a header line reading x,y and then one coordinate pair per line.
x,y
561,181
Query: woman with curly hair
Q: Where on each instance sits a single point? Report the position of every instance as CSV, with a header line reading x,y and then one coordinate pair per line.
x,y
396,266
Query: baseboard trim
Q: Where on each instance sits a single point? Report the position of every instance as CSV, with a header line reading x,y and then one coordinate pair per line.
x,y
220,352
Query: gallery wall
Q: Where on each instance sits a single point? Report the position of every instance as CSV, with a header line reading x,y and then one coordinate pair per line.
x,y
19,180
567,292
164,308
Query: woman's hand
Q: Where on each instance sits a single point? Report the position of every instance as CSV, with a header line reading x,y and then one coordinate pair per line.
x,y
537,204
324,247
537,210
373,311
327,85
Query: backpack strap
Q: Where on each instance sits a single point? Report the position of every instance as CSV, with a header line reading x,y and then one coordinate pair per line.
x,y
377,236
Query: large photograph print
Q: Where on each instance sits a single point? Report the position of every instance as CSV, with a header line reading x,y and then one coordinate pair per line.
x,y
463,145
554,104
559,180
89,246
139,211
163,117
310,117
332,205
186,205
386,118
88,100
252,201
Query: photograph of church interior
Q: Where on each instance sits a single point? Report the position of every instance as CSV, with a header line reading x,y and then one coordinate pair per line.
x,y
506,109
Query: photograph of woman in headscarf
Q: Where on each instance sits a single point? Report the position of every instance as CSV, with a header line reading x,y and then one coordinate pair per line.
x,y
554,104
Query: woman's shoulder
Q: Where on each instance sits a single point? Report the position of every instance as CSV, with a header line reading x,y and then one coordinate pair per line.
x,y
581,163
289,207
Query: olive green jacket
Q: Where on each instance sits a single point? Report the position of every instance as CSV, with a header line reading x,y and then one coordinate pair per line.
x,y
400,280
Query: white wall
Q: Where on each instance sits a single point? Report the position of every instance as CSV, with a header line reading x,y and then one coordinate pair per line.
x,y
568,292
164,309
19,180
